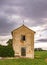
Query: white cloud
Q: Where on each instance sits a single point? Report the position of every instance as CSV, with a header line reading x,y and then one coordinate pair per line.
x,y
40,45
4,39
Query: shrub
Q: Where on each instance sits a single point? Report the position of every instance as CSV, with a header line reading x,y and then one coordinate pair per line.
x,y
38,49
7,51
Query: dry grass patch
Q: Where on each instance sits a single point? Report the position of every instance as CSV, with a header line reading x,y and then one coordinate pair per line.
x,y
46,59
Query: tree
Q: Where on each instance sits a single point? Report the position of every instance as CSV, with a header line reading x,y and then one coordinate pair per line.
x,y
38,49
7,51
10,48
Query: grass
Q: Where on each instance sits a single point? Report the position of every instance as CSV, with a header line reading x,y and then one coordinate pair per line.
x,y
40,59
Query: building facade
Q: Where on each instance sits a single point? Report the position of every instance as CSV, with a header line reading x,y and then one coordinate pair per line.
x,y
23,42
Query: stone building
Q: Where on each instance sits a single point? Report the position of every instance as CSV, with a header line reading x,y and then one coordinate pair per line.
x,y
23,42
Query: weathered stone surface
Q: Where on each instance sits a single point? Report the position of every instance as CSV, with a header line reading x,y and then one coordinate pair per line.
x,y
28,43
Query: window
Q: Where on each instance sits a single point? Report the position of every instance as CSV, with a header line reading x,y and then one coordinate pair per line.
x,y
23,37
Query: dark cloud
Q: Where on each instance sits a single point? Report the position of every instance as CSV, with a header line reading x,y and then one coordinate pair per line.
x,y
6,26
34,10
42,40
28,8
35,22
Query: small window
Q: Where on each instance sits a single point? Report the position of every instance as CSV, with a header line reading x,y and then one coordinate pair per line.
x,y
23,37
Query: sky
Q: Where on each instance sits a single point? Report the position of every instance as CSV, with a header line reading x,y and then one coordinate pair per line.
x,y
34,14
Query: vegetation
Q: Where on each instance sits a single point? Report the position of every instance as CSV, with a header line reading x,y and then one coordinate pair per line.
x,y
38,49
40,59
7,51
41,54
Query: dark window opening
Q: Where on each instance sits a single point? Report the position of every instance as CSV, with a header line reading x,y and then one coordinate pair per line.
x,y
23,37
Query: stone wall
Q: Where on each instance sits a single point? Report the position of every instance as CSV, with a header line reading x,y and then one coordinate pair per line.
x,y
28,43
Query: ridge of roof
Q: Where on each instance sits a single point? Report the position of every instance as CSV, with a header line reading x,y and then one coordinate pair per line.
x,y
22,26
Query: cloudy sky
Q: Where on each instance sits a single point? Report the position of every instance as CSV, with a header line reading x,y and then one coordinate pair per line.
x,y
34,14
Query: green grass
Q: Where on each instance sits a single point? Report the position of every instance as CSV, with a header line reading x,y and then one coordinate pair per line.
x,y
41,54
40,59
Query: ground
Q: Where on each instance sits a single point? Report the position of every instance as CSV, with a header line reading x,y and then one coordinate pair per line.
x,y
40,59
